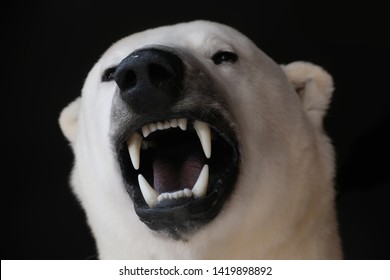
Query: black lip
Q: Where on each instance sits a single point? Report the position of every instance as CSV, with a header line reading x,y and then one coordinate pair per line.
x,y
188,214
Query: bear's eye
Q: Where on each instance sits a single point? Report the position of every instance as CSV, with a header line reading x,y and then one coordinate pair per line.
x,y
108,74
223,57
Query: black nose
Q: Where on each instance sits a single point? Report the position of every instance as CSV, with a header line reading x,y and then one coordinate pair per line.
x,y
150,79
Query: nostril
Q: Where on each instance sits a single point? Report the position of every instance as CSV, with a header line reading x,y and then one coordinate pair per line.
x,y
159,76
127,80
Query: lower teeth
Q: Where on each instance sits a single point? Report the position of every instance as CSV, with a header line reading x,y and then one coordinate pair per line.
x,y
152,197
175,195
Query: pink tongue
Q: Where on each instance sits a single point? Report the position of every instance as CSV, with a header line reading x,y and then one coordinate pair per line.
x,y
173,174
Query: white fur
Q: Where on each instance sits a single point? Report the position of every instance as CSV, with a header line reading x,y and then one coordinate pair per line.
x,y
315,87
283,203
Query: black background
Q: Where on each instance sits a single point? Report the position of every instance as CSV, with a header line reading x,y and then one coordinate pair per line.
x,y
48,48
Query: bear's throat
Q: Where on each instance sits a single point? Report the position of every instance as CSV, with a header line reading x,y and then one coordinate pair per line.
x,y
173,162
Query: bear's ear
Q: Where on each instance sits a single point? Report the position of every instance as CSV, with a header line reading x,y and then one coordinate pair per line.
x,y
68,119
313,85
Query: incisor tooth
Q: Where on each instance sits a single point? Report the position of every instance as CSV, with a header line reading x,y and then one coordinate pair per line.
x,y
175,195
149,194
152,127
162,197
200,187
145,131
134,146
182,124
174,123
167,125
204,134
187,192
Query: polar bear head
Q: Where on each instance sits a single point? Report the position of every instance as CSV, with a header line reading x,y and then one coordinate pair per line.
x,y
190,142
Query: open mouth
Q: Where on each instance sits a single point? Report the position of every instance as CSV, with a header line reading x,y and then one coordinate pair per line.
x,y
179,172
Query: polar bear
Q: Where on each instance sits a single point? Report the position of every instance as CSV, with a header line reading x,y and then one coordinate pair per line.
x,y
191,143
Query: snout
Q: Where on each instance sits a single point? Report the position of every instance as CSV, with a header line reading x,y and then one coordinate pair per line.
x,y
174,140
150,80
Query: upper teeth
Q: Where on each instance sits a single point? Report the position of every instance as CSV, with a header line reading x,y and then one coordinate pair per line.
x,y
134,143
152,127
203,131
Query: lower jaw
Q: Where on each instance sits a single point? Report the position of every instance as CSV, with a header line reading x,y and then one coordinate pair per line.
x,y
186,215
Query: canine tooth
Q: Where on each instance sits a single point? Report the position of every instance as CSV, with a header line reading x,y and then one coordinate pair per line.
x,y
204,134
134,146
200,187
182,124
149,194
145,131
